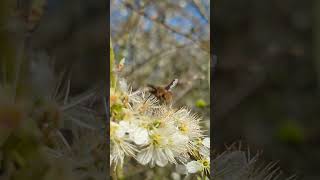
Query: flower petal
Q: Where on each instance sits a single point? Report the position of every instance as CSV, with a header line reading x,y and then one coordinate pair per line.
x,y
193,166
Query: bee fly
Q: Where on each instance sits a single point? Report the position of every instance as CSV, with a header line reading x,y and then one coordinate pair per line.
x,y
164,94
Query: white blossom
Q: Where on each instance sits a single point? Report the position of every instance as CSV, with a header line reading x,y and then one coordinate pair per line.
x,y
120,147
156,134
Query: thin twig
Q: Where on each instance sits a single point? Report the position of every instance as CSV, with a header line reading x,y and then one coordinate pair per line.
x,y
200,10
166,26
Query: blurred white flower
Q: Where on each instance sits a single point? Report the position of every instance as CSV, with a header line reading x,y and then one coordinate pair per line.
x,y
193,166
123,85
175,176
181,169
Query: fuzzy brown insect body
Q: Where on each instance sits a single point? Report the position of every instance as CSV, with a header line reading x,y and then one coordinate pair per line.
x,y
164,94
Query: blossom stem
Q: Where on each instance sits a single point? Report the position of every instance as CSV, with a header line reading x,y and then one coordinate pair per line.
x,y
119,172
114,175
112,64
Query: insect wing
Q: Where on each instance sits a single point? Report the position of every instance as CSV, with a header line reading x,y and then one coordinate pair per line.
x,y
172,84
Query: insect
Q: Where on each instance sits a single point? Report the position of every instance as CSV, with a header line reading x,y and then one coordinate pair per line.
x,y
164,94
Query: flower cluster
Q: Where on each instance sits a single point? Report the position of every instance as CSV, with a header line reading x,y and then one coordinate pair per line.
x,y
154,133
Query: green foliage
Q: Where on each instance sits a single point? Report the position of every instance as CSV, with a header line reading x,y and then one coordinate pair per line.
x,y
201,103
290,132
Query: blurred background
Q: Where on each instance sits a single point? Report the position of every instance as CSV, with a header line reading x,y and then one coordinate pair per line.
x,y
73,33
266,82
53,67
163,40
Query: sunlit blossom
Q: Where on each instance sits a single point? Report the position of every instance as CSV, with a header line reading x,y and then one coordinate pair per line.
x,y
155,134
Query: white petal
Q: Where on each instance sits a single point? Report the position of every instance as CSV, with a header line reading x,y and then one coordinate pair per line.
x,y
204,151
123,129
140,136
161,159
120,132
193,166
145,156
206,142
180,139
169,156
125,125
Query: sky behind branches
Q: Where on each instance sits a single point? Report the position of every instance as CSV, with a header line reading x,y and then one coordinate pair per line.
x,y
120,14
